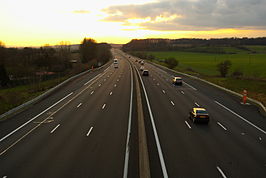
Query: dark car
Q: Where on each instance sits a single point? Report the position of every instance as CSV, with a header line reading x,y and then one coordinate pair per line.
x,y
145,73
199,115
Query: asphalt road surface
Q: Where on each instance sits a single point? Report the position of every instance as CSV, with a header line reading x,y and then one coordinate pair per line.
x,y
89,128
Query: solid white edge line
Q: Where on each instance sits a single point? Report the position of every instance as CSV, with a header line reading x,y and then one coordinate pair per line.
x,y
125,174
55,128
103,106
92,92
79,105
221,172
106,69
23,125
189,85
250,123
89,131
164,170
221,125
188,124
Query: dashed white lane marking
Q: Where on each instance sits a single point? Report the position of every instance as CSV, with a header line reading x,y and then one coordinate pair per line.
x,y
158,84
197,104
117,80
92,92
108,76
260,138
4,176
242,118
188,125
100,84
103,106
172,103
55,128
110,93
163,91
221,172
104,80
190,86
114,85
89,131
153,79
182,92
221,125
79,105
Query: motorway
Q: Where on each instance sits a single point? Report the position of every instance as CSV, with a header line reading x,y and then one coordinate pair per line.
x,y
89,128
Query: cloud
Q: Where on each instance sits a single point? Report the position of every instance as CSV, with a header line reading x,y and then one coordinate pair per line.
x,y
81,12
193,14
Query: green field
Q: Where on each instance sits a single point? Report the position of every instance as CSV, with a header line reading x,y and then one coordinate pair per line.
x,y
250,60
251,64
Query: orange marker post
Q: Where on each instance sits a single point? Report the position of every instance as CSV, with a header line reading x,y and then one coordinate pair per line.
x,y
245,93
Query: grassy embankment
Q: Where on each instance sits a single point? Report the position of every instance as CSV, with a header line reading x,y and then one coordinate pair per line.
x,y
13,97
250,61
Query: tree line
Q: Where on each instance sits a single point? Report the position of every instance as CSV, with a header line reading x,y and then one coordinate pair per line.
x,y
30,65
188,43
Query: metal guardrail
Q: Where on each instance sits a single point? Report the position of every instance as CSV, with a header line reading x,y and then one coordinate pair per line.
x,y
24,106
261,107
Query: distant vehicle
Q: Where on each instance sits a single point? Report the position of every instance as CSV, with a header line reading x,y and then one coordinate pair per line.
x,y
177,81
145,73
199,115
141,68
115,63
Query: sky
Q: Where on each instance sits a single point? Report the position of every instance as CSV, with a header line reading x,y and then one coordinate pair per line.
x,y
40,22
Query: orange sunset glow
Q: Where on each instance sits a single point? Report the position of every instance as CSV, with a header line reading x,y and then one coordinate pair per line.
x,y
35,23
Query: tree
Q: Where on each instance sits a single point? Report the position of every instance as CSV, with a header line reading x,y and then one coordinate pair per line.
x,y
223,67
88,49
4,79
64,56
103,53
171,62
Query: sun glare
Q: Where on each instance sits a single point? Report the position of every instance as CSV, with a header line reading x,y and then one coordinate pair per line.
x,y
34,23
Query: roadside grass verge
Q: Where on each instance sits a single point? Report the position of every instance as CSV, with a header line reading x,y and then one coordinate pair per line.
x,y
256,89
13,97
